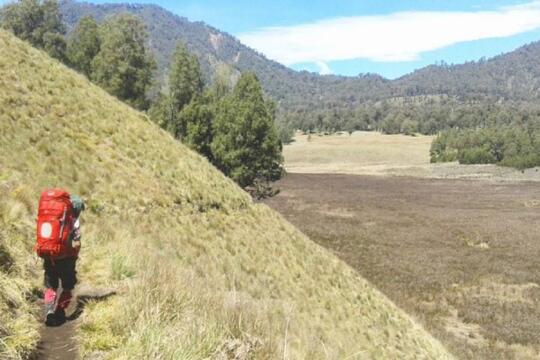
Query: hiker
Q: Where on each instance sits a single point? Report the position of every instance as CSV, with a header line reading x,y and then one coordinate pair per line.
x,y
58,243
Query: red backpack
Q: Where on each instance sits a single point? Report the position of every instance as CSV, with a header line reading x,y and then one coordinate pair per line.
x,y
54,224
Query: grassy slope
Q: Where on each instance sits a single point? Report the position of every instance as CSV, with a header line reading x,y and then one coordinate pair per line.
x,y
201,270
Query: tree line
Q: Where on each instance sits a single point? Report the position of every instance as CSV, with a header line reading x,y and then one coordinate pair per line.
x,y
516,145
426,115
230,121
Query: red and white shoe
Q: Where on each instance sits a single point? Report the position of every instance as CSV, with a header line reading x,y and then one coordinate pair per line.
x,y
50,307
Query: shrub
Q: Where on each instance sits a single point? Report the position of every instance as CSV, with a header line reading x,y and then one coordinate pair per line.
x,y
476,155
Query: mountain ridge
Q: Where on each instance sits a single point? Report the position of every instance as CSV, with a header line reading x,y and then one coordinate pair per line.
x,y
224,47
423,101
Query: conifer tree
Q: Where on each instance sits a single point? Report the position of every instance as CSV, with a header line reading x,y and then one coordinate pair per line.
x,y
185,86
123,66
83,45
185,78
197,118
246,145
38,22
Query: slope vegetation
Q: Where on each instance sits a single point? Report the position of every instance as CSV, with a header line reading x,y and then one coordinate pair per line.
x,y
200,270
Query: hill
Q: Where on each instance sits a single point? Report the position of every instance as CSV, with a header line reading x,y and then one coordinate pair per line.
x,y
310,101
511,76
200,270
214,47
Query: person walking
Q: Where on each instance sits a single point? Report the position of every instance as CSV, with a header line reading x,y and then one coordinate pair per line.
x,y
58,243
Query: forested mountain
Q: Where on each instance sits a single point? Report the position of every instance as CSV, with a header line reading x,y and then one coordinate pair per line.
x,y
329,102
214,47
511,76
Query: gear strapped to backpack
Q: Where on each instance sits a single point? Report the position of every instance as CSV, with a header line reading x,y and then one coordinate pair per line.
x,y
54,224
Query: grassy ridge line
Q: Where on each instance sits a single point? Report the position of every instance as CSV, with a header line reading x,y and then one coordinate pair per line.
x,y
202,271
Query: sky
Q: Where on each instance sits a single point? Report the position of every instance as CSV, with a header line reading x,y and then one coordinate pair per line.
x,y
350,37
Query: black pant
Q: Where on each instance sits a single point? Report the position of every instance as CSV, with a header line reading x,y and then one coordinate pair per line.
x,y
61,269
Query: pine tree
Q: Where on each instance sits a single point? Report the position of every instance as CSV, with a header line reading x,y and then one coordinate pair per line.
x,y
223,81
123,66
38,22
197,118
185,86
246,145
185,78
161,112
83,45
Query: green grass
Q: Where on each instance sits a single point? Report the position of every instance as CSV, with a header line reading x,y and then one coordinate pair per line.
x,y
200,270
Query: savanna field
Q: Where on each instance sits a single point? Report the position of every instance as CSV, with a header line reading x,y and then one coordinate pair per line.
x,y
199,270
455,246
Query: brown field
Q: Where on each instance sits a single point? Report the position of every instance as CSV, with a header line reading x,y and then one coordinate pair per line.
x,y
461,256
456,246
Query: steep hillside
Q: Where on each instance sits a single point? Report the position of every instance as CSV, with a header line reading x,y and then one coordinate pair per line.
x,y
200,270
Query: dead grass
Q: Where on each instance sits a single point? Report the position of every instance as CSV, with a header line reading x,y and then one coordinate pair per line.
x,y
200,270
459,255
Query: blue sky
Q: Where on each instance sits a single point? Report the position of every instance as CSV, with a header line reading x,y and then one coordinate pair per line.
x,y
387,37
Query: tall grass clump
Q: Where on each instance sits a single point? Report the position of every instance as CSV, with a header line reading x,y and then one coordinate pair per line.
x,y
199,270
18,325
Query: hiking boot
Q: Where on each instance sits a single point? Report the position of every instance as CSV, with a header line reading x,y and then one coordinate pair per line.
x,y
50,315
64,300
60,316
49,300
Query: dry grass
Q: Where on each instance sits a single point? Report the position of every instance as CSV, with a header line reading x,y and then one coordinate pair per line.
x,y
362,152
201,271
371,153
460,255
18,327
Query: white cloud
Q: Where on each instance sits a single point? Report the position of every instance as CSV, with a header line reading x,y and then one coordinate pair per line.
x,y
324,69
395,37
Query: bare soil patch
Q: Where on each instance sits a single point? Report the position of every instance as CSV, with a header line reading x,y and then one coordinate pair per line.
x,y
461,256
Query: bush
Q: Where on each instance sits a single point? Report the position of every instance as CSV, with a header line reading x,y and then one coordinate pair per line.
x,y
285,132
409,127
391,125
476,155
525,162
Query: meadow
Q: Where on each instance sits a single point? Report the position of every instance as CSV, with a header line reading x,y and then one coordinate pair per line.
x,y
459,255
372,153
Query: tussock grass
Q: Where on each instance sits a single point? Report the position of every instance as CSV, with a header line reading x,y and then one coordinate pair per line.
x,y
201,271
18,325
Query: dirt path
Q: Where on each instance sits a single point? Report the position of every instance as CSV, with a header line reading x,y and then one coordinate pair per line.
x,y
60,343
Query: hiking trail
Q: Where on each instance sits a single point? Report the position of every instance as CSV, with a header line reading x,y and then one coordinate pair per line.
x,y
59,342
